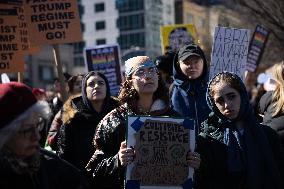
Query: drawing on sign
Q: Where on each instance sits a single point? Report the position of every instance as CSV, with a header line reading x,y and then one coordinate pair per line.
x,y
175,36
179,37
161,145
230,50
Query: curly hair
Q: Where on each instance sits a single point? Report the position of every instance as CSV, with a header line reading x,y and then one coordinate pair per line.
x,y
129,95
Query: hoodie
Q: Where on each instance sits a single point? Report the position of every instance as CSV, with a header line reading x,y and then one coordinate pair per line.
x,y
233,159
188,97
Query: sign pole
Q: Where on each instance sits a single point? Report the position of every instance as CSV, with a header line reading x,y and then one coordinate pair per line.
x,y
60,72
20,77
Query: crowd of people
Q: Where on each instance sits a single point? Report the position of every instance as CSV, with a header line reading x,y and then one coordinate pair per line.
x,y
81,143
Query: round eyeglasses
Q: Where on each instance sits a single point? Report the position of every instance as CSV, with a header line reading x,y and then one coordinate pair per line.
x,y
32,129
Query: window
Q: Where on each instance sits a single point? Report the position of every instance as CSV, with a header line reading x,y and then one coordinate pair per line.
x,y
79,61
131,22
128,40
99,7
100,25
45,73
129,5
82,27
81,10
101,41
78,47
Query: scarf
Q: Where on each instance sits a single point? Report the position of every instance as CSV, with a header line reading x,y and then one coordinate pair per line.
x,y
28,165
258,161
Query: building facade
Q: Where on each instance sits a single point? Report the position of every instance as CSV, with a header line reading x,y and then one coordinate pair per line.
x,y
133,24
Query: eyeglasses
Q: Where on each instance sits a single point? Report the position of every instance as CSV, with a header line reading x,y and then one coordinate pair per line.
x,y
32,129
143,72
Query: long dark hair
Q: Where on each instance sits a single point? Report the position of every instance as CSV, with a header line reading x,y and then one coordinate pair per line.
x,y
86,101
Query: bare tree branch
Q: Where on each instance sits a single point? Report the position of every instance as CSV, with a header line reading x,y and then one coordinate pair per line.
x,y
269,13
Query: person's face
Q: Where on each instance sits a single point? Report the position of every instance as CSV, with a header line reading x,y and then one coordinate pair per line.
x,y
145,80
25,142
179,38
77,85
192,67
96,88
57,86
227,100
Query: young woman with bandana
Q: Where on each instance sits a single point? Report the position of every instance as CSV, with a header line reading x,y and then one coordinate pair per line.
x,y
143,93
236,151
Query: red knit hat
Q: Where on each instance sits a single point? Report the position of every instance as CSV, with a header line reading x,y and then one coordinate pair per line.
x,y
15,99
38,91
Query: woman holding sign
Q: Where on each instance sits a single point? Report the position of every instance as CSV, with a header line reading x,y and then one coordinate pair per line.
x,y
143,93
237,152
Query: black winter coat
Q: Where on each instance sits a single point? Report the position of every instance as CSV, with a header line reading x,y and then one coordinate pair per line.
x,y
213,173
105,166
54,173
77,132
267,109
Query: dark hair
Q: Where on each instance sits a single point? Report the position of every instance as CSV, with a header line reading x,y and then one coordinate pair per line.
x,y
66,76
165,62
71,82
228,78
86,101
130,96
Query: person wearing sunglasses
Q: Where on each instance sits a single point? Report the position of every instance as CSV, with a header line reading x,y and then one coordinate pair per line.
x,y
23,164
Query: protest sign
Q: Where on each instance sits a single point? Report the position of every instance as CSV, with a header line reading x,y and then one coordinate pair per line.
x,y
105,59
256,47
23,30
52,22
230,49
24,45
11,59
161,145
175,36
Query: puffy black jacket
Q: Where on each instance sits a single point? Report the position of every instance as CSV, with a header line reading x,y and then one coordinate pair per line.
x,y
77,132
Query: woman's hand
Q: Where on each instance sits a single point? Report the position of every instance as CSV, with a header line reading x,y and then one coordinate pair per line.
x,y
125,155
193,159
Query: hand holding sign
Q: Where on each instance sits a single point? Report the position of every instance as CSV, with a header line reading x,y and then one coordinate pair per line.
x,y
193,159
126,155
